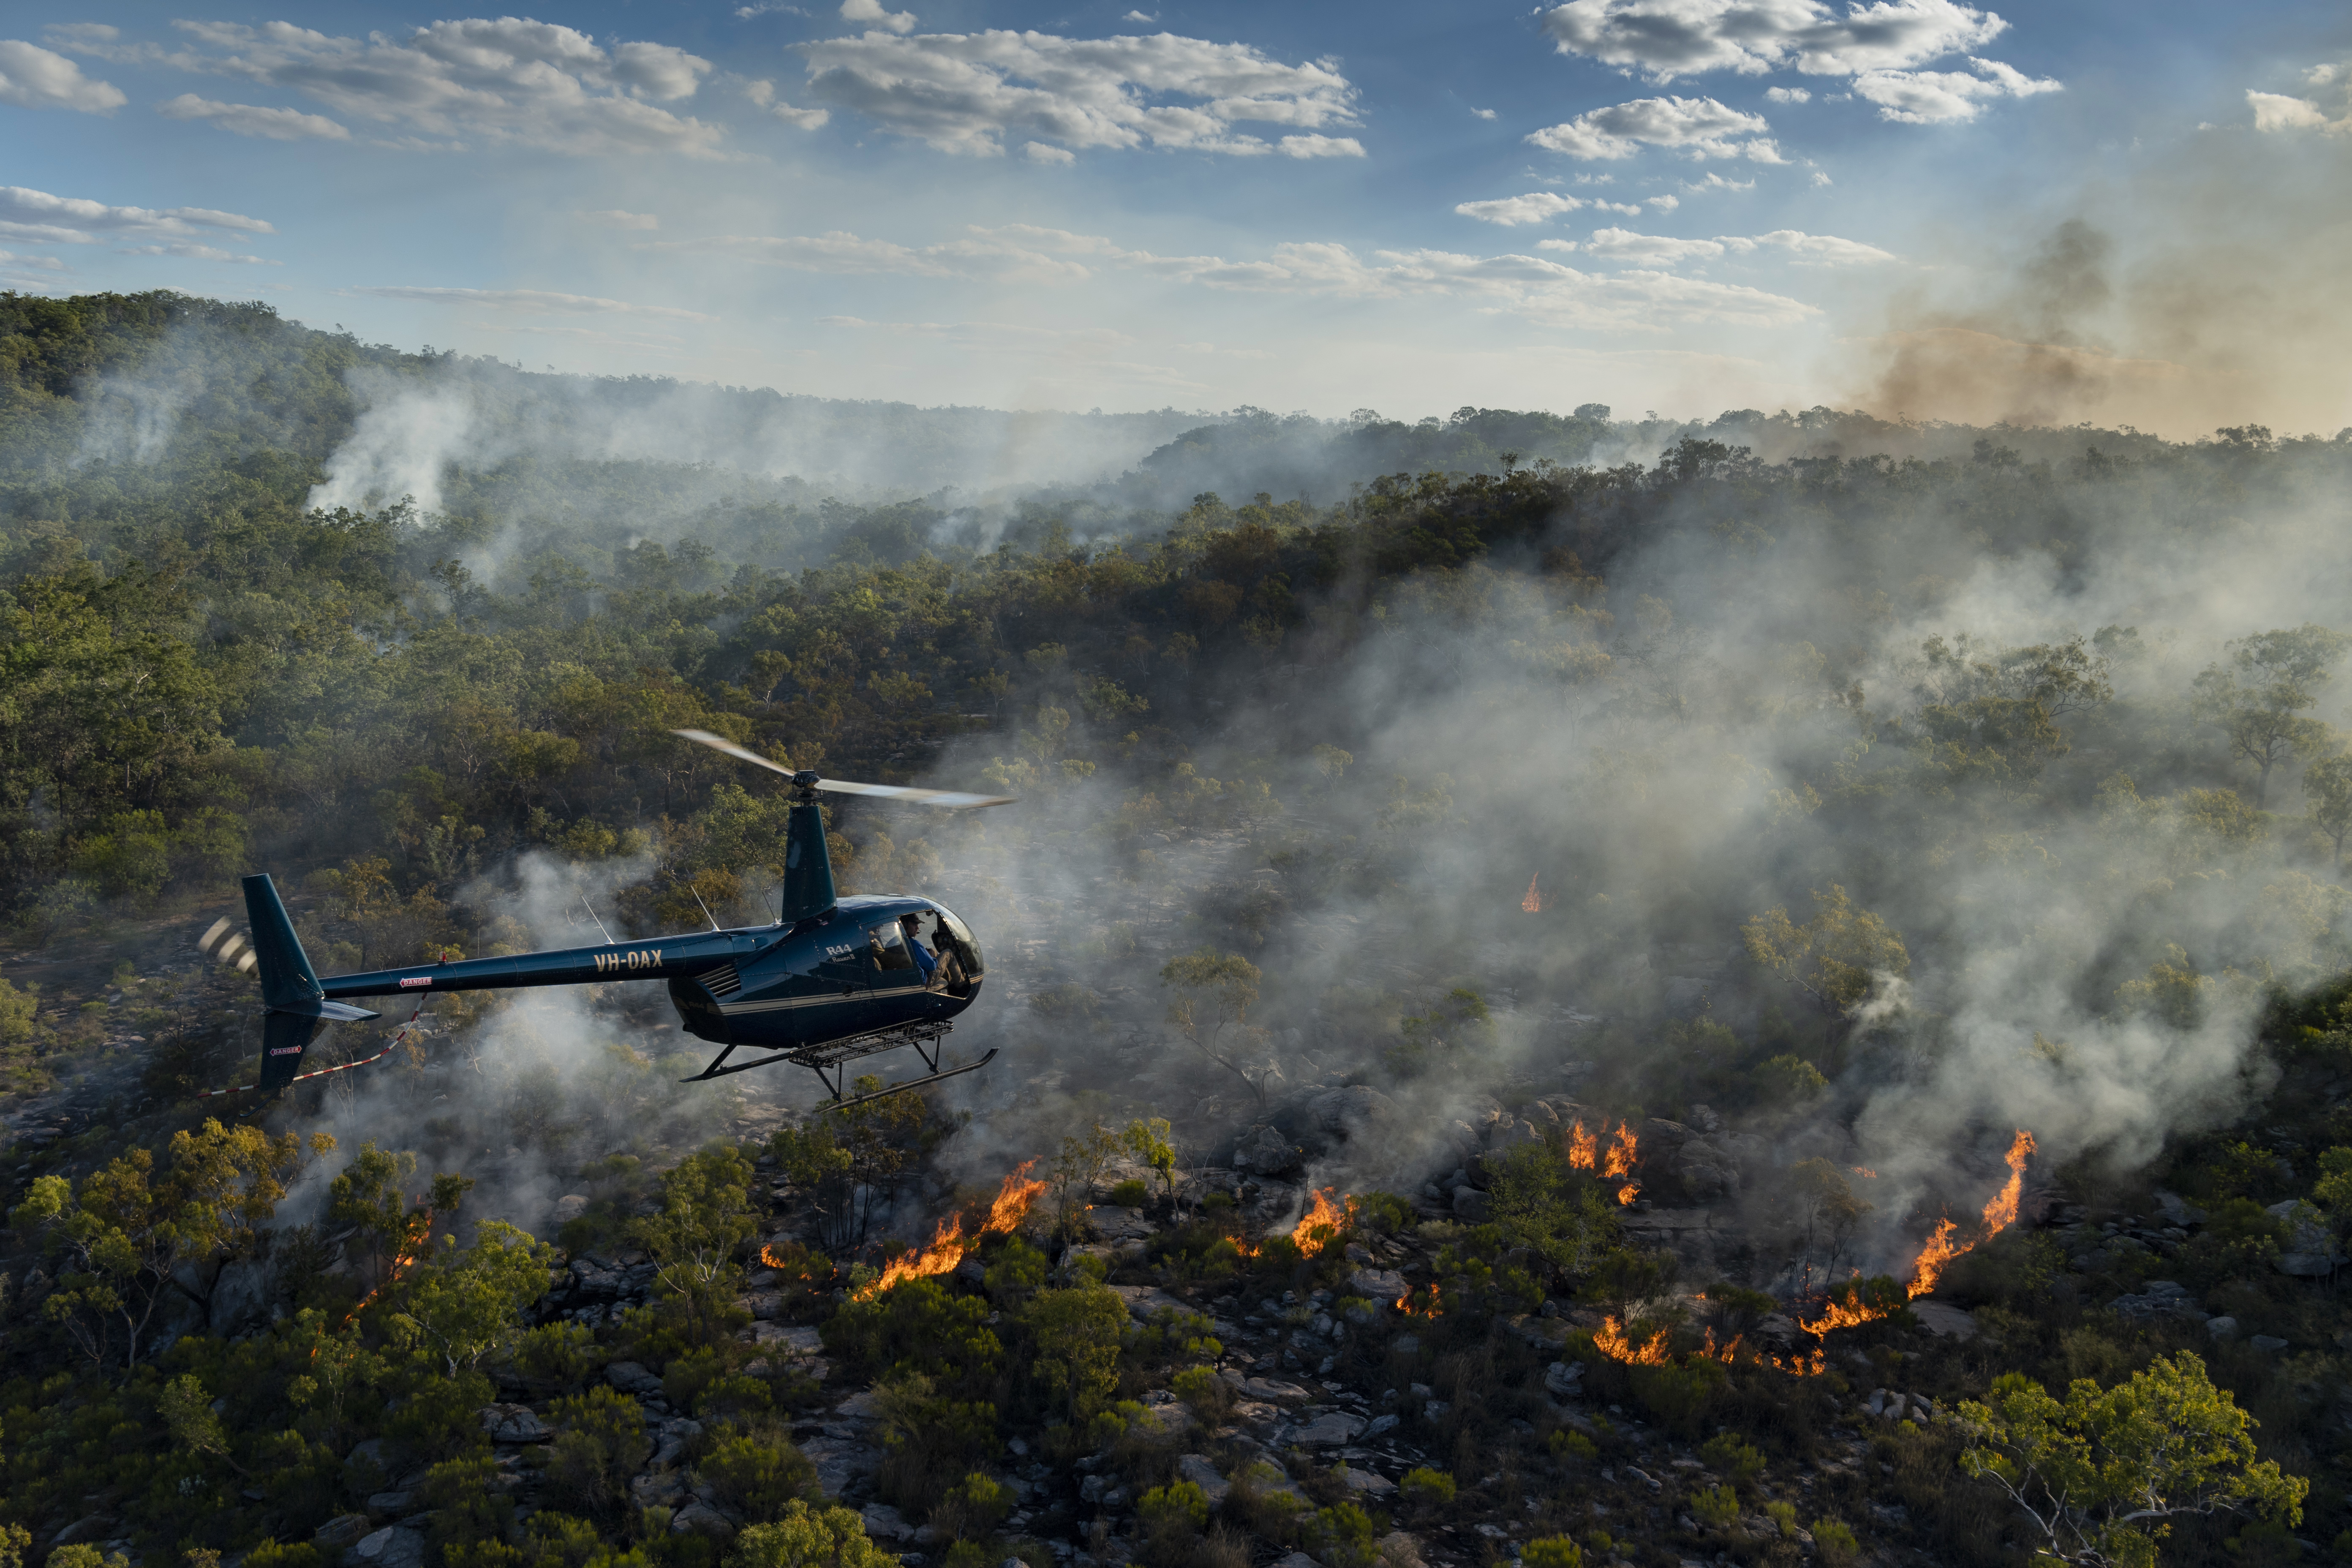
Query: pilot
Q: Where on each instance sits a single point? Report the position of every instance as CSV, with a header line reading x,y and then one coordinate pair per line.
x,y
910,926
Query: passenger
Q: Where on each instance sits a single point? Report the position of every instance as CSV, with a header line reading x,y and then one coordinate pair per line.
x,y
910,926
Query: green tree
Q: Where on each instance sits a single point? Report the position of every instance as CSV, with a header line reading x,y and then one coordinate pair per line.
x,y
2327,788
462,1306
706,1214
1544,1204
1075,1336
808,1537
2259,697
1831,958
2100,1477
1215,992
1147,1141
367,1196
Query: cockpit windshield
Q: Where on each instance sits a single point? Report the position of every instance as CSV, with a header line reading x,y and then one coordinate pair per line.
x,y
967,949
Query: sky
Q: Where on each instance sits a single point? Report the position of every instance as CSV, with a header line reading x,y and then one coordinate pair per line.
x,y
2086,210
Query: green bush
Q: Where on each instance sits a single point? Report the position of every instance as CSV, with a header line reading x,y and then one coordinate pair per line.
x,y
555,1540
972,1506
759,1477
1178,1504
1566,1443
920,1328
1426,1488
600,1446
1733,1455
809,1538
467,1504
1783,1514
1383,1212
1343,1536
1204,1394
1679,1397
1130,1193
1715,1506
268,1554
562,1354
1835,1542
1553,1552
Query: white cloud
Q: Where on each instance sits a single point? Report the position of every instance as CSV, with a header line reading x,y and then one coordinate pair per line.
x,y
1699,127
764,93
767,9
529,301
506,81
1822,178
1141,18
2275,111
614,217
1534,207
1623,244
1628,208
34,78
1788,95
1667,38
72,220
871,13
1945,98
190,250
1039,152
47,263
1555,244
1817,249
1715,181
1542,290
966,92
247,120
1312,145
1664,203
1483,113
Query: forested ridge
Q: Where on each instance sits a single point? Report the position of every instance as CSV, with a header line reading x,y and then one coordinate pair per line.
x,y
1865,806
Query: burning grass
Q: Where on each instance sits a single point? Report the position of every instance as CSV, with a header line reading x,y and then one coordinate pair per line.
x,y
1852,1309
951,1246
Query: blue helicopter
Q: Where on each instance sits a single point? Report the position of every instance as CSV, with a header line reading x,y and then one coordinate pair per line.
x,y
833,981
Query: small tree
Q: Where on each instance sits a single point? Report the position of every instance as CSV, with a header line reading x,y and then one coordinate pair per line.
x,y
2327,786
2101,1476
808,1537
705,1214
1215,992
1077,1334
1829,1212
2259,697
1148,1141
464,1306
1831,958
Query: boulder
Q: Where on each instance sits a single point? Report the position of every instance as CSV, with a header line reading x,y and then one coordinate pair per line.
x,y
2311,1252
1564,1379
1472,1205
1268,1152
1944,1320
699,1518
631,1378
2271,1343
2157,1299
343,1530
90,1527
391,1505
1197,1469
1330,1431
1368,1483
1380,1285
569,1207
886,1524
393,1546
1296,1560
516,1424
1399,1550
2178,1210
2222,1327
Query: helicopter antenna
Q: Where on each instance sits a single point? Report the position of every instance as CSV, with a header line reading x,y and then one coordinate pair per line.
x,y
591,915
706,907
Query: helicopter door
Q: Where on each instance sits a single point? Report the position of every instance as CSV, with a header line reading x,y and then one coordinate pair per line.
x,y
840,967
895,968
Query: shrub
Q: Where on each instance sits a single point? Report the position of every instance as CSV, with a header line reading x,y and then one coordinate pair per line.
x,y
1734,1455
590,1462
1344,1536
1835,1542
83,1555
563,1354
1383,1212
1783,1514
809,1538
1716,1506
557,1539
1131,1194
1553,1552
1203,1393
759,1477
268,1554
1566,1443
974,1506
1178,1504
1678,1396
1426,1488
467,1503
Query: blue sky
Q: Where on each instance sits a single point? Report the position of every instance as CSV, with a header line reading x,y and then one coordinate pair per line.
x,y
1677,205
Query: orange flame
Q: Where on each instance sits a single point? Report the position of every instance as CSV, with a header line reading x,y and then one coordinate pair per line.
x,y
1433,1310
1865,1171
950,1245
1583,1149
1940,1250
1619,1161
1324,1223
1533,903
1611,1341
1628,1193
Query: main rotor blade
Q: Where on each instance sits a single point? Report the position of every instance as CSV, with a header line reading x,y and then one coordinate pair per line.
x,y
719,743
953,799
947,797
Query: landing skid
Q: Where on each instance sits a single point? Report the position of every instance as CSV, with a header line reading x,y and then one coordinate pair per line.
x,y
830,1061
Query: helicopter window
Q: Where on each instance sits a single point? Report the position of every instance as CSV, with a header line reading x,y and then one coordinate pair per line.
x,y
887,948
953,933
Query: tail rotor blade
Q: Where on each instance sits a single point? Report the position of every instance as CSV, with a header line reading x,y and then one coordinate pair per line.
x,y
228,948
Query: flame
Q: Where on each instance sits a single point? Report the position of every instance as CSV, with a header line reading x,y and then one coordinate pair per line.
x,y
1611,1341
1940,1250
1324,1223
950,1245
1628,1193
1619,1161
795,1259
1534,902
1404,1304
1865,1171
1583,1149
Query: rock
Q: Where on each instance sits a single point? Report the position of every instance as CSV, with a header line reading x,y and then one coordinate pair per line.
x,y
1470,1204
865,1406
1381,1423
2178,1210
569,1207
515,1424
631,1378
1370,1483
2311,1253
1399,1550
343,1530
2267,1343
1268,1152
887,1523
662,1487
1777,1329
1296,1560
1944,1320
91,1527
1405,1345
1545,1335
2224,1328
1274,1389
766,1306
393,1546
699,1518
1143,1301
1197,1469
1435,1410
391,1505
1380,1285
1564,1380
1330,1431
840,1461
2158,1299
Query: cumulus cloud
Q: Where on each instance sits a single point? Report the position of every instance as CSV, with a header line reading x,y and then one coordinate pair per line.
x,y
1039,152
1816,250
967,92
46,263
533,300
1483,113
506,81
1715,181
73,220
1945,98
1535,206
1532,287
1623,244
1667,38
764,93
247,120
870,12
2275,113
1788,95
191,251
1696,126
34,78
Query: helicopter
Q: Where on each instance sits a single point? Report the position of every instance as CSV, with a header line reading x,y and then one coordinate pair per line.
x,y
834,980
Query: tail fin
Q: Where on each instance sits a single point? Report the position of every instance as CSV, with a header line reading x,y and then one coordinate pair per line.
x,y
294,1005
286,973
808,868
